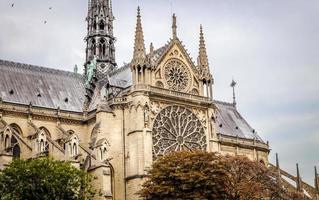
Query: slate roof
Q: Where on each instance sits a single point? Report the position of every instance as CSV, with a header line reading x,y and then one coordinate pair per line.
x,y
43,87
229,122
49,88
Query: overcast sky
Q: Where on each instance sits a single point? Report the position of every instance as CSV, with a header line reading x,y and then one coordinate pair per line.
x,y
270,47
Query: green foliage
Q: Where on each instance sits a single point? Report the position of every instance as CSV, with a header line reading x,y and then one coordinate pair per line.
x,y
208,176
44,178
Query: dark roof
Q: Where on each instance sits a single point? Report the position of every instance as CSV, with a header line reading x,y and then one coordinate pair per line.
x,y
122,77
229,122
51,88
43,87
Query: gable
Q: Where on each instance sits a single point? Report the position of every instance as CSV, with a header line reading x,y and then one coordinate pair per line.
x,y
175,70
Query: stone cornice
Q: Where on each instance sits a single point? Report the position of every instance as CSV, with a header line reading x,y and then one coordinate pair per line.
x,y
49,114
241,142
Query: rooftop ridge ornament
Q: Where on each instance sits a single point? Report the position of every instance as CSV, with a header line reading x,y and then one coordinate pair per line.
x,y
174,27
233,85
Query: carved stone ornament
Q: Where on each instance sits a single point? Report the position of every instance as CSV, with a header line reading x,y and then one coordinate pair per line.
x,y
176,75
176,128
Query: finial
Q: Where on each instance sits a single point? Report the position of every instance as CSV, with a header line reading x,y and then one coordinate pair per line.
x,y
233,85
298,181
316,180
277,161
174,27
138,11
139,54
151,48
75,69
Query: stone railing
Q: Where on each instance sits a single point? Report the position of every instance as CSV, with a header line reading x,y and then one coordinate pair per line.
x,y
172,93
242,141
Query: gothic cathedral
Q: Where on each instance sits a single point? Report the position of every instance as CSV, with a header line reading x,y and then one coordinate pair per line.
x,y
115,121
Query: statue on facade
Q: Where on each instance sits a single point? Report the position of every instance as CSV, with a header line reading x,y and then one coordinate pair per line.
x,y
90,70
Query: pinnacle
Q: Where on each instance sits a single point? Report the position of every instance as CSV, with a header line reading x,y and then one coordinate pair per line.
x,y
139,47
203,64
174,27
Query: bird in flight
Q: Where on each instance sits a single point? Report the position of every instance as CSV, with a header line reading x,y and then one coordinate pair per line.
x,y
12,5
50,8
45,22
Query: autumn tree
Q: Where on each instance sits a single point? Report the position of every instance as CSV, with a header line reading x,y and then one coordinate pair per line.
x,y
201,175
44,179
186,175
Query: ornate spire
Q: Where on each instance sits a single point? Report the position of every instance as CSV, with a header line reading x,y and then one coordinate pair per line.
x,y
202,60
139,55
174,27
100,40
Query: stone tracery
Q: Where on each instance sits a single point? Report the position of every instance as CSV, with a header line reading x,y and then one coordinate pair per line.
x,y
176,128
176,75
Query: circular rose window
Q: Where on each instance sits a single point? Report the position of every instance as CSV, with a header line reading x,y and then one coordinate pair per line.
x,y
176,75
176,128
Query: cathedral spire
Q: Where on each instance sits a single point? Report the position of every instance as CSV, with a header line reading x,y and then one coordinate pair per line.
x,y
100,40
139,55
174,27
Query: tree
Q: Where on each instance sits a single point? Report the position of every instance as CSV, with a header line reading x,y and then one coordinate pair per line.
x,y
249,180
186,175
201,175
44,178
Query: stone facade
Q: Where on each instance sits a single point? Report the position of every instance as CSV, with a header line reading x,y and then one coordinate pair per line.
x,y
115,125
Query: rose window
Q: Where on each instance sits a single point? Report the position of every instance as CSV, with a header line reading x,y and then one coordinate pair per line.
x,y
176,75
176,128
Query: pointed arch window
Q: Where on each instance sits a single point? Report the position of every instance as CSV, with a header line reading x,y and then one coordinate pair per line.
x,y
101,25
6,142
75,149
102,48
73,145
94,25
15,148
93,46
